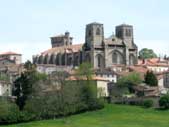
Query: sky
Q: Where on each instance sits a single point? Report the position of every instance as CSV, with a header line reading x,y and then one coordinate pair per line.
x,y
27,25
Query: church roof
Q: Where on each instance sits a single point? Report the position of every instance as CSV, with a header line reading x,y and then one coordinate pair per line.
x,y
61,49
113,40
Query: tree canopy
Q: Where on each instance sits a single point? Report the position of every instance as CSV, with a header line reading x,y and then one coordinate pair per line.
x,y
150,79
23,85
130,80
146,53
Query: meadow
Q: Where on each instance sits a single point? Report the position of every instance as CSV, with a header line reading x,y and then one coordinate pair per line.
x,y
110,116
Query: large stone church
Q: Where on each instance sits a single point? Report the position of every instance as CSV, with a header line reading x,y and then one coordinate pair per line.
x,y
101,52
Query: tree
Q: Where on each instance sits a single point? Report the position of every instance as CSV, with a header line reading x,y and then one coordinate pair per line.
x,y
125,83
23,85
164,101
89,90
130,80
85,69
150,78
147,53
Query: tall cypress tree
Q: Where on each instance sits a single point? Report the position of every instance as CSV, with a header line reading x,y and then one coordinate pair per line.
x,y
150,79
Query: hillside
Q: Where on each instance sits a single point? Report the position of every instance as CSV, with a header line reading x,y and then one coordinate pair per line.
x,y
110,116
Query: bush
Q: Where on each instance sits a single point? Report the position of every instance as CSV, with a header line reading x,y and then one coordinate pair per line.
x,y
96,104
164,101
26,116
148,103
9,112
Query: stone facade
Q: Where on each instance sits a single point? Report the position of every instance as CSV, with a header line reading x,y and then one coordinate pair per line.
x,y
101,52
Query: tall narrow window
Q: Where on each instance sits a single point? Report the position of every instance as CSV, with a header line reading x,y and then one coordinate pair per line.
x,y
98,31
114,58
89,33
99,61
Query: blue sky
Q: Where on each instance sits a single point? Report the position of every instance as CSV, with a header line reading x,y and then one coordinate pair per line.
x,y
26,25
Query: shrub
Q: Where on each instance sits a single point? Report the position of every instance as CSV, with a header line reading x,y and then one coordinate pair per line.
x,y
164,101
151,79
9,112
148,103
26,116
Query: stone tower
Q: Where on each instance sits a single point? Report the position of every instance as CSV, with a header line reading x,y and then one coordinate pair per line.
x,y
125,33
93,47
61,40
94,34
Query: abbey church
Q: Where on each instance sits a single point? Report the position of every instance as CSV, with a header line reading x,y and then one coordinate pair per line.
x,y
101,52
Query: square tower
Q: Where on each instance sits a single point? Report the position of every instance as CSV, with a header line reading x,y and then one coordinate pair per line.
x,y
94,34
61,40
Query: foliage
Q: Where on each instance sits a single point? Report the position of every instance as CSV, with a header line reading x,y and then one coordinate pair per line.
x,y
130,80
150,78
164,101
111,116
4,77
89,90
148,103
146,53
9,112
85,69
39,97
24,84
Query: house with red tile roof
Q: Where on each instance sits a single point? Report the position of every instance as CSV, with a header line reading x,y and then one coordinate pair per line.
x,y
7,57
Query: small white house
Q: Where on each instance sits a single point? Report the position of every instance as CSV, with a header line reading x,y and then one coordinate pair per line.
x,y
109,75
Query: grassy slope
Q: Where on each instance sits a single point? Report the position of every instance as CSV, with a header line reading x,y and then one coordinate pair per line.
x,y
111,116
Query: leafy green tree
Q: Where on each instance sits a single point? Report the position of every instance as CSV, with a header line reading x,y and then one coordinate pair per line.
x,y
130,79
147,53
164,101
125,83
23,86
89,90
150,78
85,69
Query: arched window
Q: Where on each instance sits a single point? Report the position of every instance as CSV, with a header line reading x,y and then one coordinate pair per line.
x,y
76,60
117,58
132,59
69,61
46,59
40,59
51,61
114,58
58,59
98,31
87,58
128,32
100,61
89,33
63,59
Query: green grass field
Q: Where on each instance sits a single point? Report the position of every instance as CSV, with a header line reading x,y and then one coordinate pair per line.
x,y
110,116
